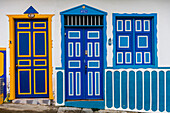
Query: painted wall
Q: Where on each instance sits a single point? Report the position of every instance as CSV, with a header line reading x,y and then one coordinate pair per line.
x,y
162,7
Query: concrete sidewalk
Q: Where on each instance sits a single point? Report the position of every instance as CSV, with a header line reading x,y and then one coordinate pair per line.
x,y
29,108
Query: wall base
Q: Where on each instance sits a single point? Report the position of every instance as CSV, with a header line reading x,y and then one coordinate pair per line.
x,y
86,104
41,101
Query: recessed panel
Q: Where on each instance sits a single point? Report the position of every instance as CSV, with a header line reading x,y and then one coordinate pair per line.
x,y
40,62
93,64
74,64
40,81
39,25
93,35
24,44
24,63
24,81
23,25
39,42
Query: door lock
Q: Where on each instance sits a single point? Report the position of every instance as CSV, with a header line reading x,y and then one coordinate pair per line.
x,y
85,52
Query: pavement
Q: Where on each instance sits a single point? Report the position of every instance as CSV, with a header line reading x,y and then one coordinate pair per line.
x,y
30,108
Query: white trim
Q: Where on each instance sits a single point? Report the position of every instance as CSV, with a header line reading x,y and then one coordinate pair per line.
x,y
79,83
72,83
97,43
137,58
148,25
126,25
98,83
118,26
90,43
123,46
126,58
70,43
73,37
146,42
145,57
78,43
118,59
91,84
74,61
93,37
136,25
94,61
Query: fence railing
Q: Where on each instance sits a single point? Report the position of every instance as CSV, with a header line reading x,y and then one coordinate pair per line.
x,y
143,90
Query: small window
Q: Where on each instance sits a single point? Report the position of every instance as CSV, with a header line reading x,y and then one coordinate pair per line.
x,y
134,40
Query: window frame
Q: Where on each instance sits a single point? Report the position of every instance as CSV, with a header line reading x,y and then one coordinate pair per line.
x,y
154,55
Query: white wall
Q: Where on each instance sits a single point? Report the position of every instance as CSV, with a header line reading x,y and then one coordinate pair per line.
x,y
162,7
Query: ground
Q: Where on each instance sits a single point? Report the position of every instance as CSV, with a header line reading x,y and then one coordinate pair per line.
x,y
30,108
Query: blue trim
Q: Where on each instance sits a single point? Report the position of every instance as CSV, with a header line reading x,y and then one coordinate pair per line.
x,y
61,88
154,50
86,104
89,10
62,42
30,10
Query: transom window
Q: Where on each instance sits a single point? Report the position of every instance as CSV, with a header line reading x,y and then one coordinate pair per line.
x,y
134,40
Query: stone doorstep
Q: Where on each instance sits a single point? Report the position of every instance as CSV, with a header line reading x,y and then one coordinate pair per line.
x,y
39,101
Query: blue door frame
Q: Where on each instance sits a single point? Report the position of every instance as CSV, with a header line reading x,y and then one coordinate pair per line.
x,y
87,11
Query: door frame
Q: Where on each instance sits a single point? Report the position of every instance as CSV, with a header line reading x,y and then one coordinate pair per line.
x,y
12,49
84,10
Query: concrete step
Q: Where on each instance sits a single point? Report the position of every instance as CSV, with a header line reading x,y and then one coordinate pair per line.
x,y
39,101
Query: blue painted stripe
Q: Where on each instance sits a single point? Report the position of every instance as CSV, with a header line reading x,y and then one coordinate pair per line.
x,y
60,87
139,90
132,90
168,91
109,89
154,90
146,90
161,91
124,89
116,89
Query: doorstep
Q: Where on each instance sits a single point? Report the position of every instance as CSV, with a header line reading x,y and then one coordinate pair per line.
x,y
38,101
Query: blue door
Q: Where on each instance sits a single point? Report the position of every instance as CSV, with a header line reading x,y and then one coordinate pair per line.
x,y
84,63
31,53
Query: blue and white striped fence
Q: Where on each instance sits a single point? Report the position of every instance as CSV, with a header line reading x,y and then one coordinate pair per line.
x,y
142,90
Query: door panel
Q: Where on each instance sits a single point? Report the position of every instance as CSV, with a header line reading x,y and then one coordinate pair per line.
x,y
94,63
31,53
84,61
74,63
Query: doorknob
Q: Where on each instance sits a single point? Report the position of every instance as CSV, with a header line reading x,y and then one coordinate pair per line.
x,y
85,66
85,52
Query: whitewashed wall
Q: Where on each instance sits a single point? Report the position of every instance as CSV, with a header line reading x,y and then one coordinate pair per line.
x,y
162,7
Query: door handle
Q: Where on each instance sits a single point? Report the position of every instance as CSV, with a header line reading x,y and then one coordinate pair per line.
x,y
85,66
85,52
